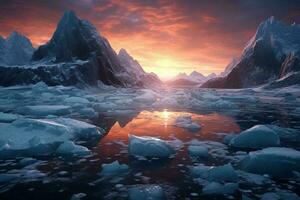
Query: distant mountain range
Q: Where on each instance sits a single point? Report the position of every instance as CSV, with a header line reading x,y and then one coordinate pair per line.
x,y
271,57
76,54
194,78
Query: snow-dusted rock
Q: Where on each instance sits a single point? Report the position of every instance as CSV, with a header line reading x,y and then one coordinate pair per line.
x,y
185,121
149,147
224,173
114,168
259,136
44,110
69,148
147,192
215,188
199,151
276,161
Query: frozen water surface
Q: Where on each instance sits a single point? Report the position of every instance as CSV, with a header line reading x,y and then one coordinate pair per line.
x,y
116,143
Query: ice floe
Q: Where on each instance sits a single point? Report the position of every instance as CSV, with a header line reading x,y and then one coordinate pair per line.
x,y
41,136
114,168
185,121
69,148
278,162
149,147
259,136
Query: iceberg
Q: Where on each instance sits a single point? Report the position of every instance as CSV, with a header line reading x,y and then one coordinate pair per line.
x,y
149,147
224,173
279,162
259,136
69,148
114,168
41,136
185,121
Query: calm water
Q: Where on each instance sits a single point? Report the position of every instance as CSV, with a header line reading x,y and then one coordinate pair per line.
x,y
67,176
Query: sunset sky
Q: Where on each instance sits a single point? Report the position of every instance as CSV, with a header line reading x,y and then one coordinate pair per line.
x,y
165,36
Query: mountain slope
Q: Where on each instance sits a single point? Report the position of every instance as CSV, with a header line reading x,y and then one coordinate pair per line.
x,y
272,53
135,70
75,55
15,50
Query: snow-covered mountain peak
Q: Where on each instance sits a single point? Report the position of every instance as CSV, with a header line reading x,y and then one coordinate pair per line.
x,y
282,38
16,49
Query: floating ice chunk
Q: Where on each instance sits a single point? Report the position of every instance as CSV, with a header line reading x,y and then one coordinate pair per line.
x,y
259,136
148,96
80,129
149,147
276,161
44,110
200,151
224,173
215,188
69,148
78,196
114,168
77,100
285,133
185,121
147,192
253,179
8,117
42,136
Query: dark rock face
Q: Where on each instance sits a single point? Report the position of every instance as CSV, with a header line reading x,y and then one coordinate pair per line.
x,y
271,54
15,50
77,39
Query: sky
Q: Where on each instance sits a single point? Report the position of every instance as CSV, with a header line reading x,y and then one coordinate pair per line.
x,y
165,36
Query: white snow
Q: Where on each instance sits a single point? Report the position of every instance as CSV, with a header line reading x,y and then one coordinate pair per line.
x,y
149,147
114,168
185,121
147,192
276,161
148,96
259,136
